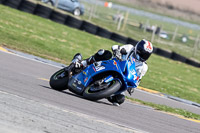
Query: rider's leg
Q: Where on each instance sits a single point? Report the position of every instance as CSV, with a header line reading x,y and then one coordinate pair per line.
x,y
103,55
99,56
77,58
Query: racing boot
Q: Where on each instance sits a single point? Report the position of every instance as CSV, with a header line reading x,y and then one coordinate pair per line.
x,y
75,64
116,100
79,64
77,58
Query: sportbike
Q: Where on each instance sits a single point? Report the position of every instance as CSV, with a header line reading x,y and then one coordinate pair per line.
x,y
99,80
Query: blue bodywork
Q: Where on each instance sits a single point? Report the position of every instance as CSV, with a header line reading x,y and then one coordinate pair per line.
x,y
124,71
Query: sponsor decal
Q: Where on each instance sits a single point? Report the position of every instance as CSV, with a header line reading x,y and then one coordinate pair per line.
x,y
77,84
94,69
85,79
99,68
79,88
148,47
108,80
135,77
115,63
133,59
74,84
84,73
133,72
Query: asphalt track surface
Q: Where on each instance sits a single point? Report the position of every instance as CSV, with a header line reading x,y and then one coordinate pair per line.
x,y
27,79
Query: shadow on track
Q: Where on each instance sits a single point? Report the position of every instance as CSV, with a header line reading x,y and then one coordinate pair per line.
x,y
72,94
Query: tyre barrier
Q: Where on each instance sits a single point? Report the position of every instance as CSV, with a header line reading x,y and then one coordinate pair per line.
x,y
154,49
193,63
178,57
73,22
88,27
58,17
43,11
103,33
118,38
27,6
1,1
46,12
163,53
131,41
12,3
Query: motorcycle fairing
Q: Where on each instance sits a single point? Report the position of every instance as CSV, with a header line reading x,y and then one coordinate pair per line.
x,y
124,68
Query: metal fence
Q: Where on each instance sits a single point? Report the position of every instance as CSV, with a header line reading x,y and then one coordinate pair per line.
x,y
69,20
183,40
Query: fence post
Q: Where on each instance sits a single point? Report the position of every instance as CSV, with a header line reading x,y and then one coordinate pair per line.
x,y
120,21
153,34
92,11
195,46
174,35
56,5
145,26
125,20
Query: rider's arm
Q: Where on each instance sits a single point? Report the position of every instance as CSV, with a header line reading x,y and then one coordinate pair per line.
x,y
115,48
127,47
141,72
124,49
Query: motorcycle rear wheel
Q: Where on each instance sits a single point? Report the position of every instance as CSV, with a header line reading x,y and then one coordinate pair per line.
x,y
104,93
59,80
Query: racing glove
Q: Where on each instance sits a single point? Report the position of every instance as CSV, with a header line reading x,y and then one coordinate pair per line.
x,y
116,51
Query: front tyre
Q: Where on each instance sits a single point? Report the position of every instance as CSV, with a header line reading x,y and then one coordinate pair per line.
x,y
93,92
59,80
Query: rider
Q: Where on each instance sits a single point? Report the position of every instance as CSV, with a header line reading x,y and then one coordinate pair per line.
x,y
141,52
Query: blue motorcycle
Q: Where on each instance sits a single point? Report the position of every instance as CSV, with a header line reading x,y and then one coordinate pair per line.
x,y
99,80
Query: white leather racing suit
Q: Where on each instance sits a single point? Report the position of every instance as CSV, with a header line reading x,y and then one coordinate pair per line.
x,y
141,67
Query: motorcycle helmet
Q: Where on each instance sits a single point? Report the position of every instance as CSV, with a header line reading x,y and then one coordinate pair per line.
x,y
143,50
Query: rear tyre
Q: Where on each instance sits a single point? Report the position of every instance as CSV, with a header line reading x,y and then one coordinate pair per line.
x,y
92,92
59,80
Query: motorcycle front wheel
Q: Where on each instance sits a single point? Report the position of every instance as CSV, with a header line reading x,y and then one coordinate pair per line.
x,y
59,80
94,92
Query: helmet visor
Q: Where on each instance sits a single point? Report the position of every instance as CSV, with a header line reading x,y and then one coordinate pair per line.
x,y
144,57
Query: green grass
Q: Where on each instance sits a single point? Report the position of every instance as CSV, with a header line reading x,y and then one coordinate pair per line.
x,y
165,108
45,38
42,37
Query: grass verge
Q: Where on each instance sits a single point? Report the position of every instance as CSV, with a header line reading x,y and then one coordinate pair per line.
x,y
42,37
165,108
